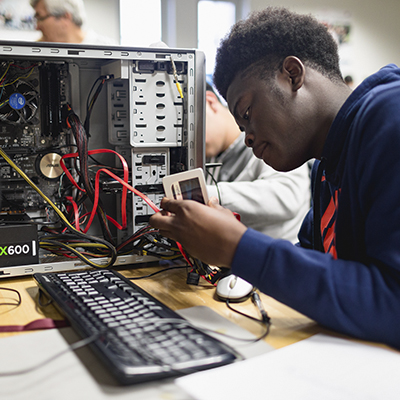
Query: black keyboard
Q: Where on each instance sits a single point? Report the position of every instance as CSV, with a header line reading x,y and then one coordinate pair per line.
x,y
137,337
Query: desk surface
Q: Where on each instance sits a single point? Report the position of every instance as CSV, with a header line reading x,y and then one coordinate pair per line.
x,y
288,326
79,375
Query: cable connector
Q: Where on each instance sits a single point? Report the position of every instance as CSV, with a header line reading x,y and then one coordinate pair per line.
x,y
178,85
257,301
193,278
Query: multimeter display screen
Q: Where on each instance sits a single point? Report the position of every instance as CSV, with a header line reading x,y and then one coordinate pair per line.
x,y
190,190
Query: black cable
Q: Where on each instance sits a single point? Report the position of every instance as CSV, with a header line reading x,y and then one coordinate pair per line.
x,y
54,241
147,240
101,80
89,108
216,184
19,301
41,304
158,272
264,321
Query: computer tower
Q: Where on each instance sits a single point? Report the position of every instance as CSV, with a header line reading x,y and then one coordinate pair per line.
x,y
144,104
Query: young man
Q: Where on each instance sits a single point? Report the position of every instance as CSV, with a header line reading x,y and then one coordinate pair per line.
x,y
268,201
279,72
62,21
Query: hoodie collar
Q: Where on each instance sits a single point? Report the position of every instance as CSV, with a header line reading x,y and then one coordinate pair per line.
x,y
338,134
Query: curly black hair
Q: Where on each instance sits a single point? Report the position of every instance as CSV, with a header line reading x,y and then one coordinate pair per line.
x,y
260,43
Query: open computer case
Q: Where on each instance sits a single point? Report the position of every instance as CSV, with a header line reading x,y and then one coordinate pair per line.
x,y
69,111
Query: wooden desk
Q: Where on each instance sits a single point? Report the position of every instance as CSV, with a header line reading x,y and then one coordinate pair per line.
x,y
81,376
288,326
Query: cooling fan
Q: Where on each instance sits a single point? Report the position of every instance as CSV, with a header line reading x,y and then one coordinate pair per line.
x,y
21,104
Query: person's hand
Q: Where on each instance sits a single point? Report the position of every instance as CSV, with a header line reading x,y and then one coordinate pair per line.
x,y
210,233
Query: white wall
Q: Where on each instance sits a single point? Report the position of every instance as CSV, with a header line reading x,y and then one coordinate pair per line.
x,y
375,24
103,17
375,35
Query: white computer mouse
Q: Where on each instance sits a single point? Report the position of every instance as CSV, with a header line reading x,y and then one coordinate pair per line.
x,y
233,288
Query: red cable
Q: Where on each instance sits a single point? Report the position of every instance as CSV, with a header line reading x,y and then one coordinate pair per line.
x,y
184,254
70,177
124,191
97,191
76,211
125,184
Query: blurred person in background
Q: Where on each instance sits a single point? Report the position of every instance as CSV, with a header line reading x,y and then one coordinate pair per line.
x,y
63,21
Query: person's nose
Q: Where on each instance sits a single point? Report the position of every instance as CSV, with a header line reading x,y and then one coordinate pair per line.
x,y
249,139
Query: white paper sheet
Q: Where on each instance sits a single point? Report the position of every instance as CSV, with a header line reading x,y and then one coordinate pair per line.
x,y
320,368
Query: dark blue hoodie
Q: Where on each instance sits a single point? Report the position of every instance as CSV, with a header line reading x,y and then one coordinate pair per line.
x,y
353,284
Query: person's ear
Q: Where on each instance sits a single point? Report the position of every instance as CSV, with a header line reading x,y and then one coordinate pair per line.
x,y
212,100
295,71
67,15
